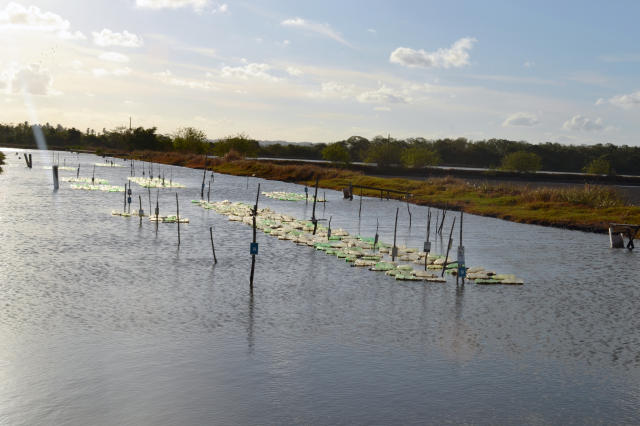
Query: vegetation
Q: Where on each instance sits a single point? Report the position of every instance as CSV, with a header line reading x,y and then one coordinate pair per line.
x,y
384,151
599,166
521,161
336,153
588,208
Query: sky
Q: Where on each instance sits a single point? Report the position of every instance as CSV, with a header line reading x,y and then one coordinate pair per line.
x,y
558,71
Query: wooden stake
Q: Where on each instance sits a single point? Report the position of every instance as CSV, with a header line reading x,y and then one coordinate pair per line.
x,y
78,171
427,243
140,212
157,211
253,256
93,176
204,176
360,209
213,248
409,212
54,170
124,201
446,257
313,212
209,192
178,218
394,249
375,238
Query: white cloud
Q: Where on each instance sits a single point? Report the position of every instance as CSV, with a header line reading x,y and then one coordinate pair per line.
x,y
529,64
106,37
252,70
383,95
314,27
579,122
18,17
32,79
623,101
197,5
221,9
332,89
114,57
524,119
101,72
294,71
456,56
168,78
371,30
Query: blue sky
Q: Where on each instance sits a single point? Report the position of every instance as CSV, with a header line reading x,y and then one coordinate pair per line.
x,y
323,71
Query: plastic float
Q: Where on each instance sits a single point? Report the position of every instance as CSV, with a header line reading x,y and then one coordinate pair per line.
x,y
356,250
291,196
155,182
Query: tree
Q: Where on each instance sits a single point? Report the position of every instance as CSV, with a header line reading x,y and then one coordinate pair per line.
x,y
418,157
189,139
240,143
598,166
336,153
384,151
522,161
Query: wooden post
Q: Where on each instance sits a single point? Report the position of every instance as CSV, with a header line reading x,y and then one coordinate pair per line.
x,y
178,218
93,176
444,214
78,171
157,211
313,212
54,169
408,210
360,209
253,256
427,244
394,249
204,176
329,228
124,200
30,161
460,249
209,192
140,212
375,238
446,257
149,189
129,196
213,248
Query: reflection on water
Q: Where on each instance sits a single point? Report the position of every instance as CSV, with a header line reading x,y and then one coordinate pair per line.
x,y
104,322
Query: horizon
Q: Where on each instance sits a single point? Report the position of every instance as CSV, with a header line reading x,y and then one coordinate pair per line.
x,y
283,71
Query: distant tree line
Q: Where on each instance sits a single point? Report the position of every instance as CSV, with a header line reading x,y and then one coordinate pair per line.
x,y
384,151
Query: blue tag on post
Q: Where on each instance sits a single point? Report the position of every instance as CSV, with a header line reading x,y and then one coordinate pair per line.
x,y
253,248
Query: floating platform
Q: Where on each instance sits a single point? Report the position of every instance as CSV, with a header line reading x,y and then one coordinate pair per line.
x,y
291,196
356,250
104,188
155,182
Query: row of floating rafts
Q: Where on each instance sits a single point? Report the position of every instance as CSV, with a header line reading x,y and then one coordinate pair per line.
x,y
99,187
357,250
67,168
155,182
96,181
291,196
154,218
107,165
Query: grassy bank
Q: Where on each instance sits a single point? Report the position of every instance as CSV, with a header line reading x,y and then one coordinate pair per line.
x,y
589,208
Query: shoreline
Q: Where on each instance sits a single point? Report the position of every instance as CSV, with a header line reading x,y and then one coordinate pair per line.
x,y
589,209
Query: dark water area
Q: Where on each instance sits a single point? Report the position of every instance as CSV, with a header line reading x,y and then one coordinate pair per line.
x,y
103,322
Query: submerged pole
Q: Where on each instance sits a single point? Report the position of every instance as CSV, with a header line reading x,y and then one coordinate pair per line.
x,y
213,248
178,218
446,257
54,170
427,243
313,214
394,249
254,245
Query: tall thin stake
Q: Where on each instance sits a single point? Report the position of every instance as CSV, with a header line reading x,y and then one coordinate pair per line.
x,y
253,256
446,257
409,212
213,248
360,209
157,211
427,245
394,250
178,218
313,212
140,212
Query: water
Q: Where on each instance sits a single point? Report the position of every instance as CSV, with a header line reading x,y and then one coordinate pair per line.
x,y
103,322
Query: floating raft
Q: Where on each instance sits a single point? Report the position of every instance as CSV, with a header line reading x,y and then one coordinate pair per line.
x,y
168,219
85,180
291,196
105,188
70,169
107,165
155,182
356,250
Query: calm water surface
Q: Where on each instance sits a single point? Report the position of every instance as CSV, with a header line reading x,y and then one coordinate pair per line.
x,y
103,322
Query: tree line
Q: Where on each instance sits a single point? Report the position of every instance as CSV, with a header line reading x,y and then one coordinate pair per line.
x,y
383,151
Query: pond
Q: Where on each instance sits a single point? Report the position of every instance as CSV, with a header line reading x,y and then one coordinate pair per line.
x,y
103,321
